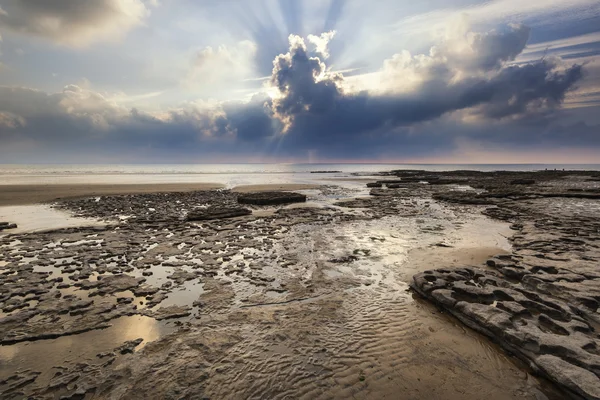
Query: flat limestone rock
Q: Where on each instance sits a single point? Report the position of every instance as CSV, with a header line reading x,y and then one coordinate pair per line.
x,y
129,346
581,381
7,225
536,327
380,192
271,198
522,182
216,212
169,312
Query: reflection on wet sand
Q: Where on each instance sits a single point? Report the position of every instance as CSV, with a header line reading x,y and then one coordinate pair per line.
x,y
66,351
304,301
41,217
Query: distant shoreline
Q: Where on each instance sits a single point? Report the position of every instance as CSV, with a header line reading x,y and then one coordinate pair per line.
x,y
20,195
15,195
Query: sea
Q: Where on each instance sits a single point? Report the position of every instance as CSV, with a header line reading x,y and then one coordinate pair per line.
x,y
231,175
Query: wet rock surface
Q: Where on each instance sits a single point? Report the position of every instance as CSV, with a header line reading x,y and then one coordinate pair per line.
x,y
215,212
540,302
271,198
7,225
170,257
306,301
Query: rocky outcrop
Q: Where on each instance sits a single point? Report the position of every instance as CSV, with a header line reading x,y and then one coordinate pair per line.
x,y
522,182
271,198
548,333
7,225
541,302
215,212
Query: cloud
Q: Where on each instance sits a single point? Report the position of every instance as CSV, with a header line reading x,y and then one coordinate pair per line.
x,y
303,83
221,67
321,42
9,120
484,51
467,86
80,121
314,104
72,22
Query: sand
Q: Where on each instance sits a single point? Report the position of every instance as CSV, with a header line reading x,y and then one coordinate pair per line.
x,y
273,187
11,195
41,217
288,302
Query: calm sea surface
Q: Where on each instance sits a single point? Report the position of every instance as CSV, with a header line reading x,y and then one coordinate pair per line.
x,y
230,174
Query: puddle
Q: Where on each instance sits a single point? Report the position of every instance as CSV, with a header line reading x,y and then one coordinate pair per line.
x,y
42,355
185,294
41,217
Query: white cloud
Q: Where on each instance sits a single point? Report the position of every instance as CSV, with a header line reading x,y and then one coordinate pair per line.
x,y
72,22
321,42
460,53
220,68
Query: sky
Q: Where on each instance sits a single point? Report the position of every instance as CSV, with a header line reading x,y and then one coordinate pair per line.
x,y
206,81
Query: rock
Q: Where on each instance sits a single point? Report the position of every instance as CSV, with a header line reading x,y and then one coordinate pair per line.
x,y
271,198
7,225
17,381
179,276
578,380
344,260
380,192
129,346
529,324
113,284
217,212
444,297
522,182
168,312
374,185
396,185
144,290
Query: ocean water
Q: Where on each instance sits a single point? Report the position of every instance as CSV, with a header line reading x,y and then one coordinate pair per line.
x,y
230,174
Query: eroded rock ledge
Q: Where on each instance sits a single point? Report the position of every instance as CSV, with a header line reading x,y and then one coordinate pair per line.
x,y
550,334
541,302
271,198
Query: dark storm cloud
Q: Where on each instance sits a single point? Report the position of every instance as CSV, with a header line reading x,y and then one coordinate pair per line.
x,y
252,121
517,90
316,110
87,121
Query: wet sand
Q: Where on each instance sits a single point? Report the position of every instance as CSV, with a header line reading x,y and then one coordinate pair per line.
x,y
11,195
296,301
273,187
41,217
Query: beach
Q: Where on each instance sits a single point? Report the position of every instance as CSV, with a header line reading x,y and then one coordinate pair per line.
x,y
11,195
425,284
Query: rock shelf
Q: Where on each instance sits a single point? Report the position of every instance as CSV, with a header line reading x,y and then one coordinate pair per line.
x,y
271,198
